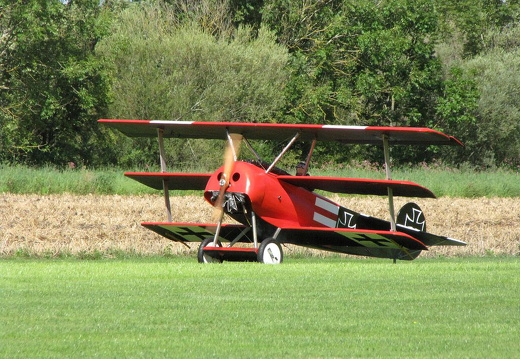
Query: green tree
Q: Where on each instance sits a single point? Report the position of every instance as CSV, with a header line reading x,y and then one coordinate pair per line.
x,y
169,68
479,51
496,139
358,62
470,20
52,87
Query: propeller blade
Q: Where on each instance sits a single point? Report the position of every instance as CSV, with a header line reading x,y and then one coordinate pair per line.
x,y
230,156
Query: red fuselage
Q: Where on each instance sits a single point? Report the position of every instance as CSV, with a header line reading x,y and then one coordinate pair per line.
x,y
278,203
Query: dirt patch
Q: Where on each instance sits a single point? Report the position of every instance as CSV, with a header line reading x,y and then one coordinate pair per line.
x,y
85,224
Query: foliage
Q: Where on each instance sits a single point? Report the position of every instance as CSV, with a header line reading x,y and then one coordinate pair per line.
x,y
480,103
496,139
64,64
52,87
473,19
165,68
368,63
361,62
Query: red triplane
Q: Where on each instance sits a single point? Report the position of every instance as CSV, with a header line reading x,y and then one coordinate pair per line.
x,y
274,207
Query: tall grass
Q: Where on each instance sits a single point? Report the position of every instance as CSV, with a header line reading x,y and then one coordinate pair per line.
x,y
49,180
443,182
465,183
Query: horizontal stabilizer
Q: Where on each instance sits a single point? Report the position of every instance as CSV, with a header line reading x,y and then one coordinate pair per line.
x,y
431,239
280,132
176,181
359,186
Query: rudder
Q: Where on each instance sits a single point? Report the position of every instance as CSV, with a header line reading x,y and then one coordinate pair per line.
x,y
411,216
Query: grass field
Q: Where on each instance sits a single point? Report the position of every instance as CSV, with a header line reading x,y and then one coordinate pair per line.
x,y
305,308
154,301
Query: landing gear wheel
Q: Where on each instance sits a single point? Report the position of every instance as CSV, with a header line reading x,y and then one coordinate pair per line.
x,y
205,258
270,252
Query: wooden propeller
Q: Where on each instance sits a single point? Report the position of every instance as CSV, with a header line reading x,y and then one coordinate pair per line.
x,y
230,156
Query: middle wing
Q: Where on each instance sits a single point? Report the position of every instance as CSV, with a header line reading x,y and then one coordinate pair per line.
x,y
359,186
176,181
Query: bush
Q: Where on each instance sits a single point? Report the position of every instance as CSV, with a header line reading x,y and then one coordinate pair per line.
x,y
165,68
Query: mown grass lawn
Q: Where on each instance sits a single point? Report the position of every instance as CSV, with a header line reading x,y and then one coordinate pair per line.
x,y
304,308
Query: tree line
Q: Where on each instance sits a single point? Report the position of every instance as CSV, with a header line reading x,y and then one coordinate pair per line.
x,y
451,66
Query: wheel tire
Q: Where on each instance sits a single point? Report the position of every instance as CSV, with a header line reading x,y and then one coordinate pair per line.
x,y
270,252
204,258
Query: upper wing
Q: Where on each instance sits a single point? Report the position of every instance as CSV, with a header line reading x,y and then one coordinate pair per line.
x,y
176,181
359,186
272,131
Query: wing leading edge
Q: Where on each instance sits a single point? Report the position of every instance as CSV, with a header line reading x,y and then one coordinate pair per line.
x,y
272,131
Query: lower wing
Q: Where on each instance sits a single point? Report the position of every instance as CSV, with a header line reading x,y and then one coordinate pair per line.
x,y
197,232
372,243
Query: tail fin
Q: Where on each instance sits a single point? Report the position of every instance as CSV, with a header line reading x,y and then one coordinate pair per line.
x,y
412,216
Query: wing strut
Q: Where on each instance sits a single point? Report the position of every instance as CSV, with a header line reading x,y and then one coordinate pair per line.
x,y
283,152
309,156
386,149
252,149
162,158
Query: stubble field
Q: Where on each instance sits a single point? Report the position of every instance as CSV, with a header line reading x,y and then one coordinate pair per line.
x,y
56,225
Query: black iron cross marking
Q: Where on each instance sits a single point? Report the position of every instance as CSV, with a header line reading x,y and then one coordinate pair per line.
x,y
346,221
189,232
382,242
416,216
